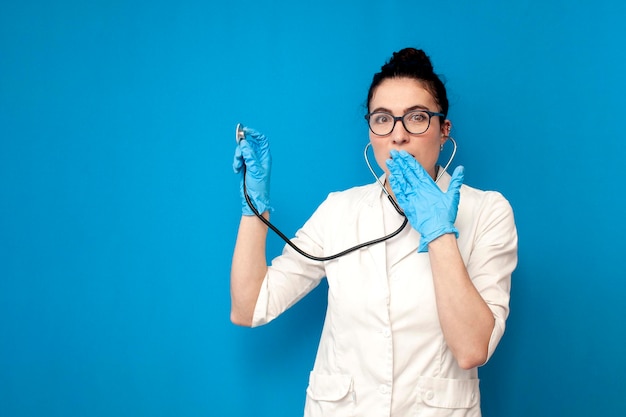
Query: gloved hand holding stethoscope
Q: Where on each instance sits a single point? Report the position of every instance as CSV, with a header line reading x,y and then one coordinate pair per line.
x,y
254,162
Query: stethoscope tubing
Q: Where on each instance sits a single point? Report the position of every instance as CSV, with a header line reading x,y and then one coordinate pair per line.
x,y
308,255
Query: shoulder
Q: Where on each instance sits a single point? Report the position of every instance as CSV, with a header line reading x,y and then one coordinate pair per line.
x,y
486,214
476,199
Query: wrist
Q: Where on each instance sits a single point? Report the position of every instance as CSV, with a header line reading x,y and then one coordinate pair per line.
x,y
449,235
444,240
258,204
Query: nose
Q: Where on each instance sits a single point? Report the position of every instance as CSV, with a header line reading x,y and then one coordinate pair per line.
x,y
399,134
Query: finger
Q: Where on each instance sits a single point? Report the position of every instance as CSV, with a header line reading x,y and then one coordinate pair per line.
x,y
396,184
252,132
398,162
457,178
409,167
393,167
418,173
257,140
413,172
255,137
398,188
237,161
396,177
249,155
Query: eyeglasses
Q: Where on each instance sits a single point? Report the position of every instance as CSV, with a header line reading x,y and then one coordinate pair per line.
x,y
382,123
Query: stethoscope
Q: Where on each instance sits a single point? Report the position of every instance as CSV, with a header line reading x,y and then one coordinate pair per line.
x,y
241,135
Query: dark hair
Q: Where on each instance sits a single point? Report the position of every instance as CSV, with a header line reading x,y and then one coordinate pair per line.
x,y
412,63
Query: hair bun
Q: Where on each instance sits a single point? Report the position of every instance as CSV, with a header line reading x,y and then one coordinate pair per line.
x,y
415,64
409,60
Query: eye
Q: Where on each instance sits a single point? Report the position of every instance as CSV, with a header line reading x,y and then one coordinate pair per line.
x,y
381,118
417,117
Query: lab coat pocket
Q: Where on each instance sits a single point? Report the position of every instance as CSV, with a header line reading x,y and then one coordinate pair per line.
x,y
329,395
449,397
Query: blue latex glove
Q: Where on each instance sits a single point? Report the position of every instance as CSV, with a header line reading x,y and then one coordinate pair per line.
x,y
254,150
430,211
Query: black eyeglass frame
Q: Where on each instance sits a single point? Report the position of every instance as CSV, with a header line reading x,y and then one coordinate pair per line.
x,y
401,118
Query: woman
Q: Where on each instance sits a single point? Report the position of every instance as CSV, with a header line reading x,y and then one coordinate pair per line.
x,y
409,320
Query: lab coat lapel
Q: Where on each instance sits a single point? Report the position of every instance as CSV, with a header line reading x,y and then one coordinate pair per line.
x,y
408,244
372,227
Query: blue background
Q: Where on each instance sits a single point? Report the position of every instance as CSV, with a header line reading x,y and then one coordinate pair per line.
x,y
119,209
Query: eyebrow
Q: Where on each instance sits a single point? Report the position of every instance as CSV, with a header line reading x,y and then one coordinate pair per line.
x,y
416,107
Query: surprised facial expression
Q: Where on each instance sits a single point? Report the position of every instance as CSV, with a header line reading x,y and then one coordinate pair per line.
x,y
398,96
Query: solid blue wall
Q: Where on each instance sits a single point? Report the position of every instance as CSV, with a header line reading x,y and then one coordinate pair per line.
x,y
119,209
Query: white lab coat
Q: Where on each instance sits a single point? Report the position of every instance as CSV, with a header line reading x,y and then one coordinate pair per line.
x,y
382,351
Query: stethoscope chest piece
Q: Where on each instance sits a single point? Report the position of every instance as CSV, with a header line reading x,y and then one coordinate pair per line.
x,y
239,133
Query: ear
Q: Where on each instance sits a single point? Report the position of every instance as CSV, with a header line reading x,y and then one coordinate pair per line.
x,y
446,128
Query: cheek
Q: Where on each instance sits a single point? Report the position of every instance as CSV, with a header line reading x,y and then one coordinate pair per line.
x,y
429,149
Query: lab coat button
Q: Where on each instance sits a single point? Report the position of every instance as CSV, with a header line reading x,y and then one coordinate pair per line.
x,y
386,332
383,389
430,395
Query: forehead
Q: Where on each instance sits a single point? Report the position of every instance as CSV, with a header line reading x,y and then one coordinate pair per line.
x,y
400,94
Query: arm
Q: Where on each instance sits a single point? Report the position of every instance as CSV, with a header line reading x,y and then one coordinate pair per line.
x,y
466,320
248,269
489,264
249,265
260,292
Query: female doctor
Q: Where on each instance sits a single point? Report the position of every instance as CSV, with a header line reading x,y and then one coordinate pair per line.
x,y
408,320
